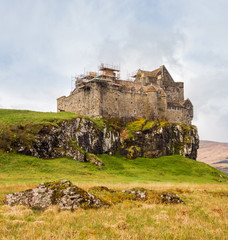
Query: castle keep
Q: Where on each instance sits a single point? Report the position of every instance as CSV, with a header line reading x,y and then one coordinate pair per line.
x,y
151,95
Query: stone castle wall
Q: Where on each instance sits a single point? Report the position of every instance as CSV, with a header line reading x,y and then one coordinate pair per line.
x,y
109,101
128,104
103,100
84,102
173,90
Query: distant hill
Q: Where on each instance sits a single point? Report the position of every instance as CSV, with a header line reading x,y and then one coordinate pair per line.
x,y
214,154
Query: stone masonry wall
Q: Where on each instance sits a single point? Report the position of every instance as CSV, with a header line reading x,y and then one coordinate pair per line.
x,y
128,102
174,91
84,102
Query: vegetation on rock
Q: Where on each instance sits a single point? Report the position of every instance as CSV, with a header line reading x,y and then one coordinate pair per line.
x,y
62,193
50,135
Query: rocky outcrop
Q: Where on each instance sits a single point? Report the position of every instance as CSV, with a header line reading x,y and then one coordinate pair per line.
x,y
63,194
74,138
82,138
138,194
67,196
161,139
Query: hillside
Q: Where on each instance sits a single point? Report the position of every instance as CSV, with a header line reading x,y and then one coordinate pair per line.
x,y
19,169
64,137
58,136
214,154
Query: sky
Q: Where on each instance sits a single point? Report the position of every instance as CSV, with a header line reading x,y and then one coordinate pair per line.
x,y
44,43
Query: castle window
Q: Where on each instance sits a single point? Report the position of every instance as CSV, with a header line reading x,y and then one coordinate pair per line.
x,y
116,99
134,111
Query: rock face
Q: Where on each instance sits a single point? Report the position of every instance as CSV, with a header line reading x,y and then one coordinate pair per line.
x,y
162,140
82,138
74,139
63,194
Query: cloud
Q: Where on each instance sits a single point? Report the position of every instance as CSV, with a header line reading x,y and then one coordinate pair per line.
x,y
43,43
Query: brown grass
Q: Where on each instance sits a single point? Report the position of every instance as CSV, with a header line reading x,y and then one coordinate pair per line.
x,y
204,216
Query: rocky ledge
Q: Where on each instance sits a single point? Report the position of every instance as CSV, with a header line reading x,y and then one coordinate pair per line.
x,y
160,138
82,139
63,194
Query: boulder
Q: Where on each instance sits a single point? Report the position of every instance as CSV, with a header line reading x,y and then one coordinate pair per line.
x,y
61,193
170,198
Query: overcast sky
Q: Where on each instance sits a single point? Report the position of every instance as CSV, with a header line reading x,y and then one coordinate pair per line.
x,y
44,42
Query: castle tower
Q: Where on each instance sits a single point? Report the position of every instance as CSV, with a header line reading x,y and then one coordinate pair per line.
x,y
109,72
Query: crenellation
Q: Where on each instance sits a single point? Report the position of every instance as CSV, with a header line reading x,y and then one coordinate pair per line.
x,y
153,95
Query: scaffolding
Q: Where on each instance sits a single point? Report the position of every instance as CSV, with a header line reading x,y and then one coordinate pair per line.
x,y
106,73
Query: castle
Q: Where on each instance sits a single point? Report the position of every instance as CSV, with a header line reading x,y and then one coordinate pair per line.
x,y
152,95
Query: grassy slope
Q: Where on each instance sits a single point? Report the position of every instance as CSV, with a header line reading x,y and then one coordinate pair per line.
x,y
15,168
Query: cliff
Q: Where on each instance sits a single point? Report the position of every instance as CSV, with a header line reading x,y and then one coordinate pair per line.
x,y
82,138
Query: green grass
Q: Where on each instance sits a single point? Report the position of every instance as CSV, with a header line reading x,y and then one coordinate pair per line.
x,y
15,168
21,126
9,116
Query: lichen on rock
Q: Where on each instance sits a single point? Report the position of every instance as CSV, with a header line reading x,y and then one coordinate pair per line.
x,y
81,139
161,138
61,193
74,139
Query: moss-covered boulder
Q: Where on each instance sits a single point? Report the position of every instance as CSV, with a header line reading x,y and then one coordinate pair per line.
x,y
61,193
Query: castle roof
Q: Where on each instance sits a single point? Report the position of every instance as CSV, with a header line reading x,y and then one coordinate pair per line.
x,y
186,102
155,72
151,73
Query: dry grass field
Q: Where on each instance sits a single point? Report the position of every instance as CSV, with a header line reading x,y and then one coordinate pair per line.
x,y
203,216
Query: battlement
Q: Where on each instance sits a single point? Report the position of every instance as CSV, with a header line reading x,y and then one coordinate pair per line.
x,y
151,95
